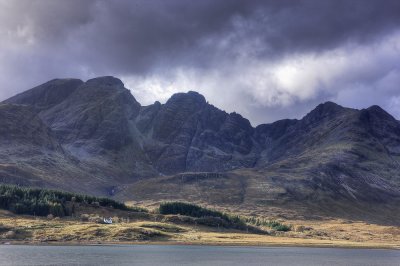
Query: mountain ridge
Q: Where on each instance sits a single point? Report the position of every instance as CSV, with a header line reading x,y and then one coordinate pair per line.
x,y
108,143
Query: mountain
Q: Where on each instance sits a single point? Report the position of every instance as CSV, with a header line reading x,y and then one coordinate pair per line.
x,y
94,137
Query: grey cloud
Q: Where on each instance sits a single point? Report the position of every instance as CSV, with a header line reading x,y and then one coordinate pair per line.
x,y
44,39
138,35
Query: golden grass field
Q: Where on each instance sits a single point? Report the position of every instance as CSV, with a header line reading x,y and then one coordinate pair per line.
x,y
155,229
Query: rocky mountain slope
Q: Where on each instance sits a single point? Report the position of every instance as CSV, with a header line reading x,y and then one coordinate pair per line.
x,y
94,137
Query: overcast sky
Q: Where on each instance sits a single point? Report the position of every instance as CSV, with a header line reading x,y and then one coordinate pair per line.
x,y
267,60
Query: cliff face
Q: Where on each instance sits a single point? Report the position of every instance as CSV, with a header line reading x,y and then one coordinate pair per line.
x,y
188,134
98,135
100,120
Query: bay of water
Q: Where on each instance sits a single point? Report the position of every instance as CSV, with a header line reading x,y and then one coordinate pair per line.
x,y
192,255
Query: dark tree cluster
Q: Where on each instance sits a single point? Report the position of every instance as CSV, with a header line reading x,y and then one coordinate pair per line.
x,y
42,202
193,210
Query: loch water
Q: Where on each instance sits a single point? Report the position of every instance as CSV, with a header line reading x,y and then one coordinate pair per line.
x,y
192,255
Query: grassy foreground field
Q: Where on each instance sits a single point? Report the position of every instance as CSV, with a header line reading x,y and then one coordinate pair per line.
x,y
167,229
40,216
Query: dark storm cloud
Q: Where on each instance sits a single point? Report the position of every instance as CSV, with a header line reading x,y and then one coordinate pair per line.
x,y
247,49
138,35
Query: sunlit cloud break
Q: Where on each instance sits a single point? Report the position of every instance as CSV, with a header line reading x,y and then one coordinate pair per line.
x,y
352,75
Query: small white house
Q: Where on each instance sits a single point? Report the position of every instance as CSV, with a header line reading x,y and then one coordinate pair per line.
x,y
107,220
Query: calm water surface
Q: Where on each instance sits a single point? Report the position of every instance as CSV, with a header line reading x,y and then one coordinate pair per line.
x,y
192,255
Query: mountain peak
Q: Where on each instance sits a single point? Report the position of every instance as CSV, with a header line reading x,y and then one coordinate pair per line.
x,y
329,107
47,94
190,97
105,80
326,109
377,112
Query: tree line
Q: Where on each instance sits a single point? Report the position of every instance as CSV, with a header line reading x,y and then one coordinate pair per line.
x,y
193,210
42,202
236,221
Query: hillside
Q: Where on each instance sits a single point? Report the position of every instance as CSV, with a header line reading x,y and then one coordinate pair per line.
x,y
94,137
64,218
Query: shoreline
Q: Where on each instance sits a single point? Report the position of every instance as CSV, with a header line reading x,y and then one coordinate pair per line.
x,y
177,243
